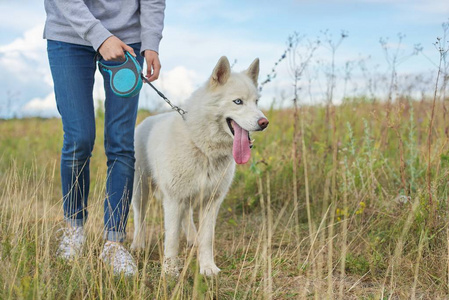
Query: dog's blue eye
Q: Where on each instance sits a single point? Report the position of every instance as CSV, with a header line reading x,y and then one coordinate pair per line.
x,y
238,101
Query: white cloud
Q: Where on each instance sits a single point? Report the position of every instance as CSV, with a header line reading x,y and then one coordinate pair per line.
x,y
42,107
24,70
21,14
46,107
194,41
201,50
18,55
26,74
198,52
179,82
26,56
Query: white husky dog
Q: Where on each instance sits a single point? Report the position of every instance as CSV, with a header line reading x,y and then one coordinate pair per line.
x,y
190,163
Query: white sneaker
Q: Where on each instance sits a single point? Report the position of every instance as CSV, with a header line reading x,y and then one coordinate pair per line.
x,y
121,261
72,242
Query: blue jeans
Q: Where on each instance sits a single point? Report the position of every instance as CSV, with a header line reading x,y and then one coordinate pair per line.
x,y
73,67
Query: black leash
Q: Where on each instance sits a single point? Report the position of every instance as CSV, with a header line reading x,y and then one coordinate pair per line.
x,y
174,107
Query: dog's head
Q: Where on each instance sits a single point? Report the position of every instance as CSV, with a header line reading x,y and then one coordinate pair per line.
x,y
238,97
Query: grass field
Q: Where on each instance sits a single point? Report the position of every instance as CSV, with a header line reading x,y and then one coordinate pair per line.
x,y
348,202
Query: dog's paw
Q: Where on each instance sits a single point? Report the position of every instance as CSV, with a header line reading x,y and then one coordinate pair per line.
x,y
190,242
172,266
191,236
209,269
137,246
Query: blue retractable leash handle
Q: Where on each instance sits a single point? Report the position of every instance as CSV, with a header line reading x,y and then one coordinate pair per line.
x,y
125,78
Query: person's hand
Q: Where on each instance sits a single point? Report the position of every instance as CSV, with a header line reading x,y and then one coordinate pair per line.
x,y
113,49
153,65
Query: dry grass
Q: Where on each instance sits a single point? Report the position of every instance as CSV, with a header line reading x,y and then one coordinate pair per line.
x,y
361,228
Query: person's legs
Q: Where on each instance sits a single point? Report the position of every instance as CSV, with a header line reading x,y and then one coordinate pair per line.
x,y
120,120
73,68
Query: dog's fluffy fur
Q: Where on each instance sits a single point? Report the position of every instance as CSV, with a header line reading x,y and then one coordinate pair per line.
x,y
189,163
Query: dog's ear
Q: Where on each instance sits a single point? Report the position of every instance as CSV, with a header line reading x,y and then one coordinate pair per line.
x,y
221,72
253,71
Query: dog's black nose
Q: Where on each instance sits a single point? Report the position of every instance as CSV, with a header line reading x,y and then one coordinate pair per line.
x,y
263,123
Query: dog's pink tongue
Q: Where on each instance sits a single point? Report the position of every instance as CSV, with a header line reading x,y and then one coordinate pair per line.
x,y
240,150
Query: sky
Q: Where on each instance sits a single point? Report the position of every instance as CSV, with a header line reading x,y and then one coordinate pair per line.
x,y
198,32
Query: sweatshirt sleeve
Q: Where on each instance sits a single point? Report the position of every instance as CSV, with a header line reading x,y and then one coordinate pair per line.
x,y
83,22
152,23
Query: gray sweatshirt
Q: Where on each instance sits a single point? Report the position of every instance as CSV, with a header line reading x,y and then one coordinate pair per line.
x,y
91,22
